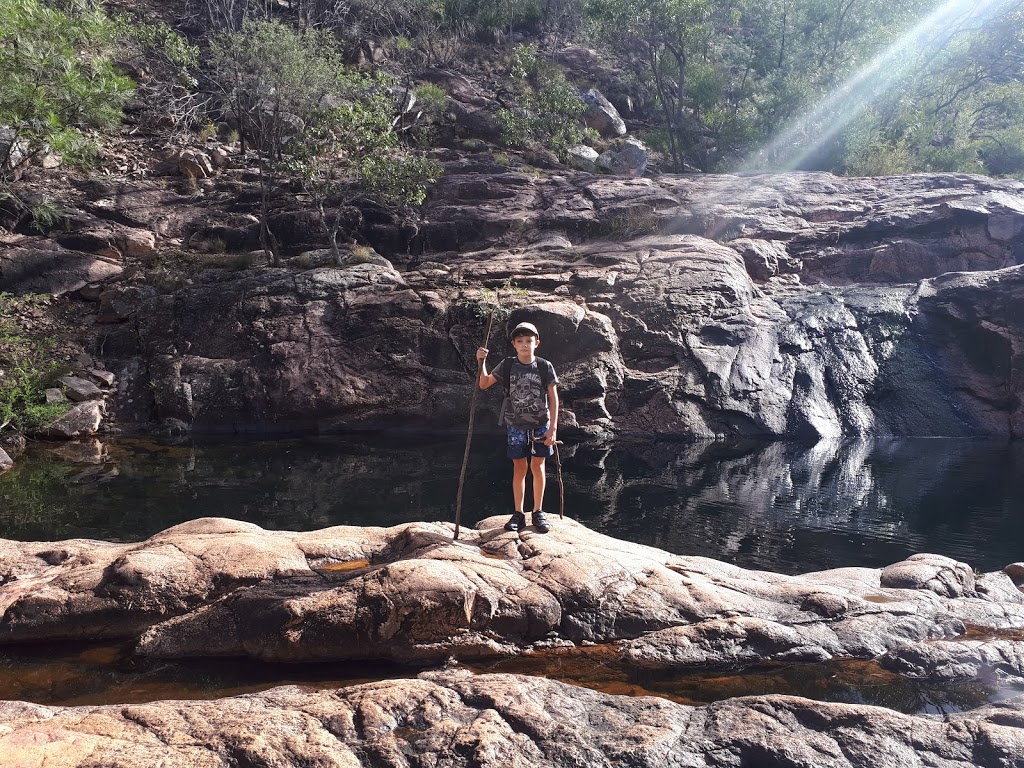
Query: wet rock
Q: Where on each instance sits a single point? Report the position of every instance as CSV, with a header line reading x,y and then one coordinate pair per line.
x,y
457,719
990,660
782,306
6,462
81,452
409,593
766,258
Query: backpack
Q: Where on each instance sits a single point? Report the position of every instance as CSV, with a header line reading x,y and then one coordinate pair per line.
x,y
506,381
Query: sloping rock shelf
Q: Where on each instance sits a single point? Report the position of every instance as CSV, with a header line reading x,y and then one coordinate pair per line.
x,y
220,588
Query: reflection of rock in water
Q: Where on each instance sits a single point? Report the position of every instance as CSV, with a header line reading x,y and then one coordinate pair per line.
x,y
776,506
761,504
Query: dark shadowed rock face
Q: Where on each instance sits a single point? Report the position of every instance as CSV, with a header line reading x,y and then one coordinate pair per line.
x,y
501,721
797,305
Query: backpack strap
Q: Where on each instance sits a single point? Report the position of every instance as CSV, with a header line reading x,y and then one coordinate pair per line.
x,y
507,374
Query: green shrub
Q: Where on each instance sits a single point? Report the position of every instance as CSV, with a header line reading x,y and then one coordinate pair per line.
x,y
549,109
431,98
309,118
56,76
26,369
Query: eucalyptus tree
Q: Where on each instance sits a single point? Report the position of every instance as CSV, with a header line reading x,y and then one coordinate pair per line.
x,y
673,43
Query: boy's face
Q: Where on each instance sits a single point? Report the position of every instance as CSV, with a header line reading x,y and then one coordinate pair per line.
x,y
524,345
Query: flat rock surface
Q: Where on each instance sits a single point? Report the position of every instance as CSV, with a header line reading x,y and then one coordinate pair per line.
x,y
216,587
501,721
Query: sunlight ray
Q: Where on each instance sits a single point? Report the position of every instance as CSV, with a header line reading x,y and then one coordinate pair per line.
x,y
808,133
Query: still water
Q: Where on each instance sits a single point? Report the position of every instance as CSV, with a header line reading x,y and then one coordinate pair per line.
x,y
778,506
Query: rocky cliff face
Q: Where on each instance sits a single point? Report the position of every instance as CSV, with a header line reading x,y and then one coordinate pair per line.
x,y
794,305
797,305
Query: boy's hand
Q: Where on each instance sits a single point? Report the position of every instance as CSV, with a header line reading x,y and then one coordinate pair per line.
x,y
549,436
481,354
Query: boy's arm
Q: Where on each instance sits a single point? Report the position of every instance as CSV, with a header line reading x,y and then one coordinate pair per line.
x,y
551,435
486,379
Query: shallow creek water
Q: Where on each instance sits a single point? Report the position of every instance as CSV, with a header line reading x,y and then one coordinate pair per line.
x,y
779,506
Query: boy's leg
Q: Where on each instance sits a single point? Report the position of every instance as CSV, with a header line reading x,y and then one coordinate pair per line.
x,y
540,454
519,483
518,449
539,481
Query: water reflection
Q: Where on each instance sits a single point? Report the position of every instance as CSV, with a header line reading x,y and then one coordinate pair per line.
x,y
848,681
82,675
777,506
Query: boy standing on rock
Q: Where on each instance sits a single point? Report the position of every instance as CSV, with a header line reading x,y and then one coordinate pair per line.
x,y
530,415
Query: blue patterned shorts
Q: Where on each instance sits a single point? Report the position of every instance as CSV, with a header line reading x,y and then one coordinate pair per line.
x,y
519,443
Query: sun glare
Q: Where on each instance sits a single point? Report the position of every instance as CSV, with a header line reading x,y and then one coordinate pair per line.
x,y
802,138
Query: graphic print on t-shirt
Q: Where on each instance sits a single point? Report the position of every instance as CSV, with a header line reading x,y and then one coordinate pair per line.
x,y
527,398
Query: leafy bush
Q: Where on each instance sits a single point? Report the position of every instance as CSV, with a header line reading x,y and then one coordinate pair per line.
x,y
431,98
56,77
311,119
169,95
549,108
26,369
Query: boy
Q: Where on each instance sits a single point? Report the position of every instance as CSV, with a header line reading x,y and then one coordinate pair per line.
x,y
530,415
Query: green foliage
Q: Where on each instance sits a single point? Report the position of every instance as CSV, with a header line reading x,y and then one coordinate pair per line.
x,y
271,78
159,41
45,215
311,119
549,108
431,98
26,369
498,302
852,87
689,54
56,75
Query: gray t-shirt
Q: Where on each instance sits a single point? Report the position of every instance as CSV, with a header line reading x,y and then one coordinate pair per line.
x,y
526,404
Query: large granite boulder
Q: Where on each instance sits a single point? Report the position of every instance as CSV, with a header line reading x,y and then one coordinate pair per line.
x,y
411,594
458,719
601,115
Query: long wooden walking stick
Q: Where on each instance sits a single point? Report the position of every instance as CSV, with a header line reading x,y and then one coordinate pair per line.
x,y
469,432
561,488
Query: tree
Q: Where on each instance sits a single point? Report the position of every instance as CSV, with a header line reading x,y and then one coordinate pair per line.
x,y
355,141
308,117
56,79
667,39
